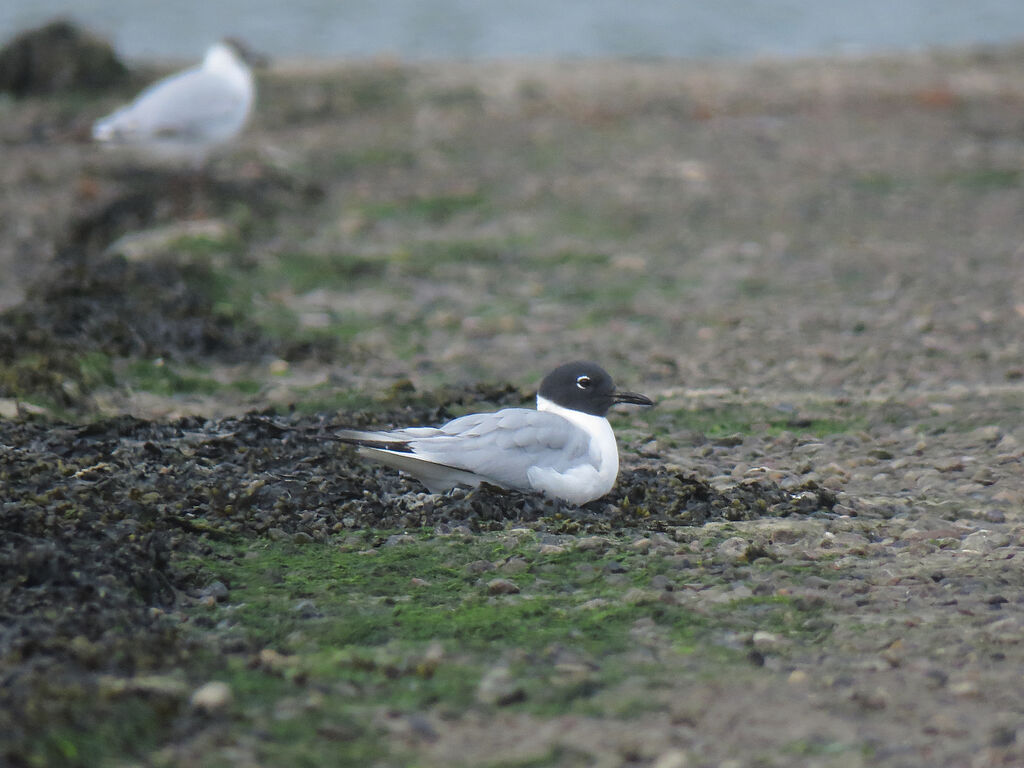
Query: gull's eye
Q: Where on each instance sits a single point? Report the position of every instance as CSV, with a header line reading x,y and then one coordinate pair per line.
x,y
583,382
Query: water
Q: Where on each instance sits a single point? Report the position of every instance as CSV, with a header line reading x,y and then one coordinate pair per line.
x,y
431,29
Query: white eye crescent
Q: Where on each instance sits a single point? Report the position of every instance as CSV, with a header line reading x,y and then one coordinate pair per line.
x,y
583,382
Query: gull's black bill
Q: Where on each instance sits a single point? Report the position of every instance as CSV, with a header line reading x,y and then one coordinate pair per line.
x,y
632,398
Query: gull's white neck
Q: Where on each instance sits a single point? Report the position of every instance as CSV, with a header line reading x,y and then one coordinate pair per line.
x,y
602,440
223,60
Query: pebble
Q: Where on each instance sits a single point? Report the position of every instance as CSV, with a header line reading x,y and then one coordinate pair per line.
x,y
592,544
215,590
766,640
987,434
983,475
984,541
502,587
950,464
212,697
965,689
514,565
733,548
674,758
498,687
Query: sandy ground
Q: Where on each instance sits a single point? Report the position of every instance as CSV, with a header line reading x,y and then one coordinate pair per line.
x,y
816,267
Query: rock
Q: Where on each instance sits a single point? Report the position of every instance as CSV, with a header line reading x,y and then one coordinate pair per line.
x,y
728,441
641,545
592,544
167,686
550,549
733,548
1008,631
514,565
212,697
498,687
502,587
1007,444
479,566
636,595
797,677
766,640
984,541
674,758
216,590
965,689
984,476
950,464
160,241
58,57
987,434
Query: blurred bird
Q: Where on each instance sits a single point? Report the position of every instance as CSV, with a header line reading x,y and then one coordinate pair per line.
x,y
184,117
565,448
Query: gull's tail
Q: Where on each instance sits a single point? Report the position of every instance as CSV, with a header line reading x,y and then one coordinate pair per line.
x,y
396,451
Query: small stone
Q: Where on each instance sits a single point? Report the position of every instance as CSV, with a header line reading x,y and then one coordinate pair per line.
x,y
950,464
550,549
674,758
1008,444
876,699
502,587
212,697
987,434
498,687
984,541
514,565
216,590
636,595
733,548
984,475
1008,631
766,640
965,689
834,483
592,544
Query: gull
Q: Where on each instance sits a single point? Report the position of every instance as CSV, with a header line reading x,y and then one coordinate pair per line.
x,y
565,449
184,117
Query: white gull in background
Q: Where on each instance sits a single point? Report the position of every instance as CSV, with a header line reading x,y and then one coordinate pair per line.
x,y
184,117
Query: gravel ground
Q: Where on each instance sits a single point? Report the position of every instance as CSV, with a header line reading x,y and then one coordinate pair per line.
x,y
816,268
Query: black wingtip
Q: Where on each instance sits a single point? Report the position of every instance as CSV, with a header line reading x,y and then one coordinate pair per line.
x,y
362,441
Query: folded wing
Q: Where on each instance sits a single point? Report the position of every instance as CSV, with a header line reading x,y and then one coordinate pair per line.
x,y
498,448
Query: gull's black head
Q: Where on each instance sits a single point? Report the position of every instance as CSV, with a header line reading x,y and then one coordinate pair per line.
x,y
246,53
585,387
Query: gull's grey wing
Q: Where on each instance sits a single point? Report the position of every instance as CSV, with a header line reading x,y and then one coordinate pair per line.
x,y
501,447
